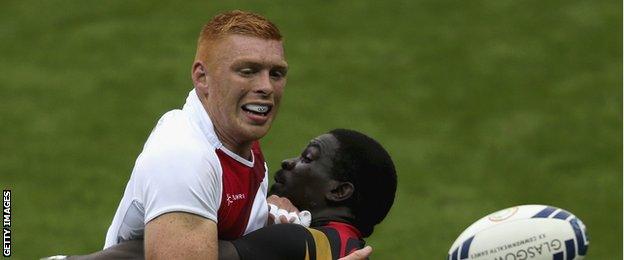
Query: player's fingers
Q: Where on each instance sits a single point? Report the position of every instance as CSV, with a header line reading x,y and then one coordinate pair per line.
x,y
359,254
282,203
276,200
273,199
283,219
288,206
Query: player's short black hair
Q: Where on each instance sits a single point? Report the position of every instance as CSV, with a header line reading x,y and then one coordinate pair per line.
x,y
367,165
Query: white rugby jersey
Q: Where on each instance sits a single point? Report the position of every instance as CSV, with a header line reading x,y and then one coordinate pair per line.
x,y
184,167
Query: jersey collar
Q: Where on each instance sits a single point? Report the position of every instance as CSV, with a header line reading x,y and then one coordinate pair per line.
x,y
200,117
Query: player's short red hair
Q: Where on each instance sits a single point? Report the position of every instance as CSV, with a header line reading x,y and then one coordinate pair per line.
x,y
235,22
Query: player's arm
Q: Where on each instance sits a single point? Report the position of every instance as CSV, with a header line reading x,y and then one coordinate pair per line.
x,y
132,249
283,241
227,251
180,235
180,190
257,247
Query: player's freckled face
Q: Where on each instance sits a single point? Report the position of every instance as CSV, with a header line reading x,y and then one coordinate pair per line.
x,y
306,179
244,83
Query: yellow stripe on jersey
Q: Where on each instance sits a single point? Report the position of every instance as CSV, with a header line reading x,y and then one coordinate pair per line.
x,y
323,249
307,257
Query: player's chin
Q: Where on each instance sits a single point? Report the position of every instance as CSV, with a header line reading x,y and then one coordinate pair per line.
x,y
256,131
276,189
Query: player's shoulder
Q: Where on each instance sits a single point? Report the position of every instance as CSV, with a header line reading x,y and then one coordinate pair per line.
x,y
176,143
175,132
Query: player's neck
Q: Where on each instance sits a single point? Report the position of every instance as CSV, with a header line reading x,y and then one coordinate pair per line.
x,y
242,150
340,214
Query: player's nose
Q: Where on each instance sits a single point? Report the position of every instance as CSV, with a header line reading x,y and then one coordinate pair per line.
x,y
263,85
288,164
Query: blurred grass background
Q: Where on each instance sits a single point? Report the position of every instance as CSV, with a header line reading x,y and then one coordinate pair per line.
x,y
483,105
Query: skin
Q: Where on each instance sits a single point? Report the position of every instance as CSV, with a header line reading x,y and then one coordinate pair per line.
x,y
181,235
308,183
239,70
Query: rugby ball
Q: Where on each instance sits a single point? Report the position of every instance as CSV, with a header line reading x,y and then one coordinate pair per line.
x,y
528,232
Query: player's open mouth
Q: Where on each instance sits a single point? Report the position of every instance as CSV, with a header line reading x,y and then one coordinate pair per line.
x,y
257,109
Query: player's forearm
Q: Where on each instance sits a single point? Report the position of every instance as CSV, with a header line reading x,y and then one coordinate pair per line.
x,y
132,249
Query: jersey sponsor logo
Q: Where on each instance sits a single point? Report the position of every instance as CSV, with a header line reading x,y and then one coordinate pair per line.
x,y
233,198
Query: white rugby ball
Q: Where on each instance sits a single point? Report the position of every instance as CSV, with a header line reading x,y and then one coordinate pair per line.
x,y
528,232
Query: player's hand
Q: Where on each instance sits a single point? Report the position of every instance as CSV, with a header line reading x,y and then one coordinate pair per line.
x,y
284,204
361,254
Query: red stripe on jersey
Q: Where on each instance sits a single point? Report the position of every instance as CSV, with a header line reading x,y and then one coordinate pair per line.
x,y
346,232
240,186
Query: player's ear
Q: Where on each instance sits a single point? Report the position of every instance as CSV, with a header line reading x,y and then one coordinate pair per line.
x,y
199,76
340,191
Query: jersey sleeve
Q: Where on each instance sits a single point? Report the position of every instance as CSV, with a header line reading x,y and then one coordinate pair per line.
x,y
179,179
284,241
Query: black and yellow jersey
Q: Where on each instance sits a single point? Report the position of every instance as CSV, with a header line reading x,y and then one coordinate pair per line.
x,y
331,240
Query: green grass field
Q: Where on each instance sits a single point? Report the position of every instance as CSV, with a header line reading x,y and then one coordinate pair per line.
x,y
482,104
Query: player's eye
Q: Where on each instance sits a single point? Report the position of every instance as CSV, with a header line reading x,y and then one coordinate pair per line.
x,y
306,158
277,74
246,71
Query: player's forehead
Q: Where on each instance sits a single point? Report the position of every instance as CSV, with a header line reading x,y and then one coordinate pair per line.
x,y
326,143
241,48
